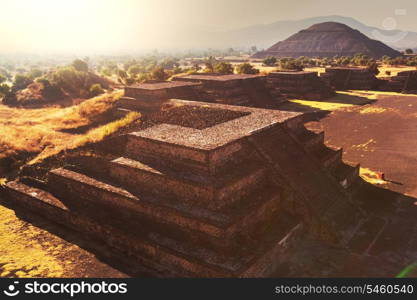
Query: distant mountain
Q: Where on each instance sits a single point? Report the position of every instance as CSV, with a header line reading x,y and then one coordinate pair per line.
x,y
264,36
328,39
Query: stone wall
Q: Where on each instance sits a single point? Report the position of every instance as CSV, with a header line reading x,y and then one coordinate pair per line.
x,y
299,85
350,78
403,82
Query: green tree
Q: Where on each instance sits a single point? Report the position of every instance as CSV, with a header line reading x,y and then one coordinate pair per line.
x,y
4,89
210,63
270,61
70,80
2,78
80,65
246,68
134,70
21,82
409,51
223,68
291,64
159,73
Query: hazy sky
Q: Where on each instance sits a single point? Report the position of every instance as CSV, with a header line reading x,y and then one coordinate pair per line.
x,y
111,25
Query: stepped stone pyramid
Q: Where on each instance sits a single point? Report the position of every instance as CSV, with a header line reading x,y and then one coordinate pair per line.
x,y
301,85
204,190
350,78
328,39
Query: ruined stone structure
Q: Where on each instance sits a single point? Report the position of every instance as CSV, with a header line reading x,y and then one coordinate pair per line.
x,y
243,90
206,190
145,96
349,78
234,89
403,82
300,85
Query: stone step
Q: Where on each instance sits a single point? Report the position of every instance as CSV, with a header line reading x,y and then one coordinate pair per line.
x,y
216,229
346,174
310,140
178,157
140,104
156,250
329,158
212,192
318,193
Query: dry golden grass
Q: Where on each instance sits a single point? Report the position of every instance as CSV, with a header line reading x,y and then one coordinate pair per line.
x,y
322,105
39,131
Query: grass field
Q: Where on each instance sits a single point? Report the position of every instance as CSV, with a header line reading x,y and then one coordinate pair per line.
x,y
39,133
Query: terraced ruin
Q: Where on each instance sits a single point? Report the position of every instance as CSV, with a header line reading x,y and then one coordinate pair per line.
x,y
202,197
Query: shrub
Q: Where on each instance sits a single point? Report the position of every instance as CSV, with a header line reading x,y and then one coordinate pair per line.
x,y
270,61
134,70
159,73
21,82
4,89
223,68
70,79
35,73
96,90
246,68
80,65
210,64
291,64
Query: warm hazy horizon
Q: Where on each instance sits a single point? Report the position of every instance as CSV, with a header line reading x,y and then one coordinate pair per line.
x,y
81,26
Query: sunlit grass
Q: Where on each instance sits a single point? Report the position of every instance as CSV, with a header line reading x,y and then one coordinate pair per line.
x,y
23,251
92,136
373,94
40,131
330,106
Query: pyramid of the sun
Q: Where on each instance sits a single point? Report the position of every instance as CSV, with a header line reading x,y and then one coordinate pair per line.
x,y
328,40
